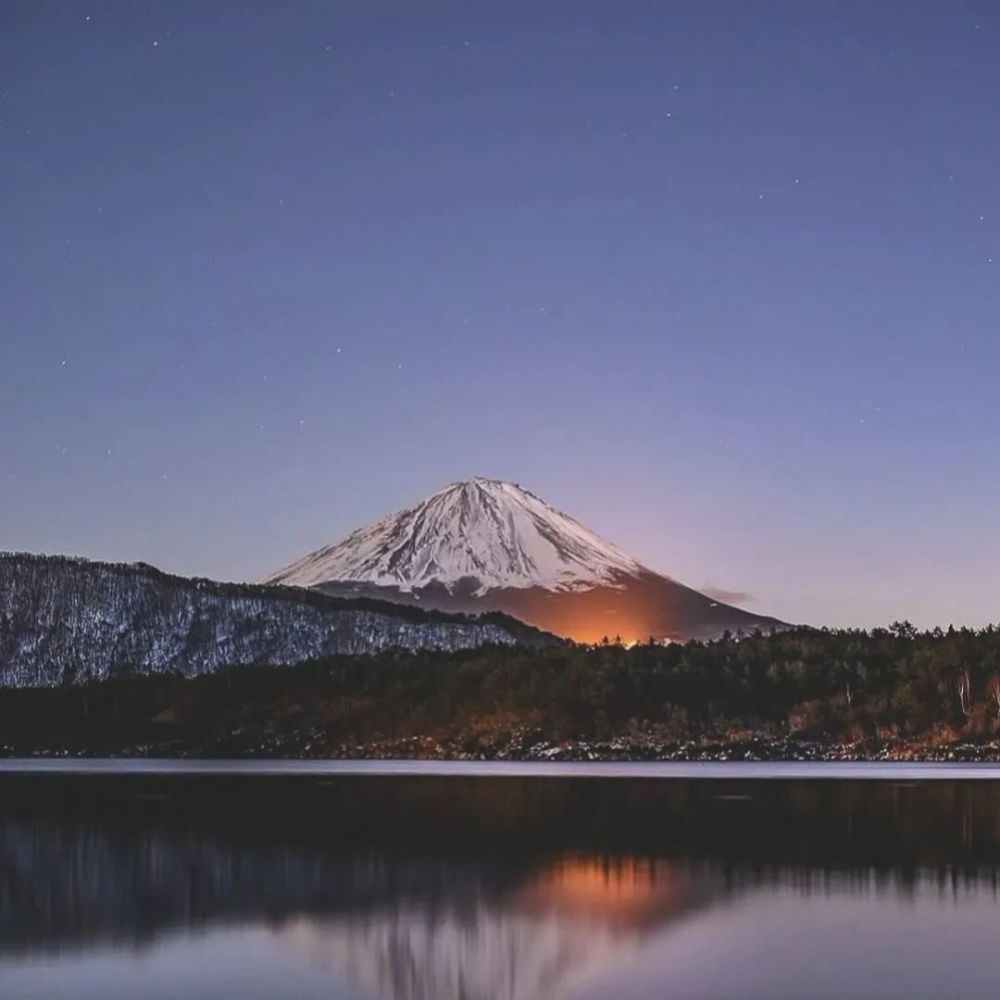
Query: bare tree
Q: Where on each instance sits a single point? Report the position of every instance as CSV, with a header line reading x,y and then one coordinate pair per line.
x,y
964,691
993,690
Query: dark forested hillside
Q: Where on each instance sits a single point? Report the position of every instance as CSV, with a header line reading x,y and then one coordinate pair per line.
x,y
833,687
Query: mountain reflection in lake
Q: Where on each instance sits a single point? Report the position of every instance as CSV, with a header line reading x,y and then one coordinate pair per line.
x,y
432,888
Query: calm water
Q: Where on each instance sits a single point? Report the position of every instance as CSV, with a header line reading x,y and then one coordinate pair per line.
x,y
444,882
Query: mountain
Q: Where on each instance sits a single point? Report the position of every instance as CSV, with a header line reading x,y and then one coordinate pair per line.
x,y
486,545
70,620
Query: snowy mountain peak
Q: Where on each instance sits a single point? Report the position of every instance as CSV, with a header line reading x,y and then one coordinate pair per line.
x,y
494,532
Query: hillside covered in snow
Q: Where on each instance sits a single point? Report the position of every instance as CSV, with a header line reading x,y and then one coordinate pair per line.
x,y
69,620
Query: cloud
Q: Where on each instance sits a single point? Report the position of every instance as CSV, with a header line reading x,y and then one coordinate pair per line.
x,y
727,596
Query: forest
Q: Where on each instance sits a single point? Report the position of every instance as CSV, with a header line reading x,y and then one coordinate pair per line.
x,y
887,686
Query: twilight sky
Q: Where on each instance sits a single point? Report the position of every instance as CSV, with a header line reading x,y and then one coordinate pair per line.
x,y
722,280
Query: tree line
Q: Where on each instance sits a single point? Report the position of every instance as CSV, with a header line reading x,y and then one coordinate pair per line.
x,y
837,685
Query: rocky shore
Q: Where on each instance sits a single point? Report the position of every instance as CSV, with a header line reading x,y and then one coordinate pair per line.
x,y
311,745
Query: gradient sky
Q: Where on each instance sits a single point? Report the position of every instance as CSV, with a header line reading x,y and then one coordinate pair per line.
x,y
722,280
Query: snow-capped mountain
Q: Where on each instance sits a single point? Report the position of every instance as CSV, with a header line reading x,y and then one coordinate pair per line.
x,y
495,533
490,545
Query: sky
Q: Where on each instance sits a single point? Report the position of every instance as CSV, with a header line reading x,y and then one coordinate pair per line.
x,y
721,280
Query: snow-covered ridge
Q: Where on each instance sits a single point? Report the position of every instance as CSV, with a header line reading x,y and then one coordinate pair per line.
x,y
494,532
69,620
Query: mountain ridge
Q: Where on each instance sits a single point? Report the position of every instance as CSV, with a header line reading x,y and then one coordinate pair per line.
x,y
66,619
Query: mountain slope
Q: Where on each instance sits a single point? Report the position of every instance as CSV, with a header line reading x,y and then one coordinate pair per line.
x,y
490,545
69,620
495,533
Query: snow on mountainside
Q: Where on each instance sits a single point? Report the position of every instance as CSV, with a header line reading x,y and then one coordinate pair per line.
x,y
70,620
495,533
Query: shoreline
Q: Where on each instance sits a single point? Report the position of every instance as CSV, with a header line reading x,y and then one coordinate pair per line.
x,y
618,751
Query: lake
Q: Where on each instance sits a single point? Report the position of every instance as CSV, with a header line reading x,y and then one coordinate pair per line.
x,y
434,881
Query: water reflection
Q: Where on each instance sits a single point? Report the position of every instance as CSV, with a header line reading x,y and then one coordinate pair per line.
x,y
410,889
538,939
